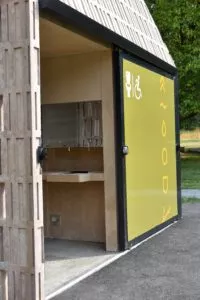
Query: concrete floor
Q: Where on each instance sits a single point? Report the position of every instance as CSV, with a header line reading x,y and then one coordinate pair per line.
x,y
167,267
66,260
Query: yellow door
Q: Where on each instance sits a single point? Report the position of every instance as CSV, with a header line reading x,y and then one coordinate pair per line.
x,y
149,121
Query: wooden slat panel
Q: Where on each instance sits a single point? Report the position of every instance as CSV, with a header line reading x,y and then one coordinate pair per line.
x,y
21,224
3,286
36,140
2,202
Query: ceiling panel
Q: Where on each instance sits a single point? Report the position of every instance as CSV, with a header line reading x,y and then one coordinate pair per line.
x,y
59,41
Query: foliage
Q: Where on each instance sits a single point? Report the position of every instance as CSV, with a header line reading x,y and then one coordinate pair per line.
x,y
191,123
179,24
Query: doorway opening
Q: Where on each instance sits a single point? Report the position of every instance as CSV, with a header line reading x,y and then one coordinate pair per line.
x,y
73,132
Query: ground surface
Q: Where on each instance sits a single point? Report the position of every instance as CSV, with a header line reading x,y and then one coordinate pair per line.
x,y
67,260
167,267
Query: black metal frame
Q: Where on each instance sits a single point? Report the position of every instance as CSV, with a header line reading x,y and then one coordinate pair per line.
x,y
178,156
120,159
62,14
120,141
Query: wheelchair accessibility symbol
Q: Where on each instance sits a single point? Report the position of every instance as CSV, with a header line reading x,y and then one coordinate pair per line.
x,y
132,85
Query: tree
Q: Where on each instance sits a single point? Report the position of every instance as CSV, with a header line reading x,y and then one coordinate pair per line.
x,y
179,24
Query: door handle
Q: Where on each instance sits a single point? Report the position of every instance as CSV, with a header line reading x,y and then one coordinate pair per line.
x,y
125,150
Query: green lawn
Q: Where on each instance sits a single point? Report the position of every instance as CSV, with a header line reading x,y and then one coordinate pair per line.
x,y
190,200
190,172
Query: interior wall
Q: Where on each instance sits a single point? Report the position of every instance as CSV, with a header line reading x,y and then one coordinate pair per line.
x,y
80,206
75,159
71,78
81,210
86,77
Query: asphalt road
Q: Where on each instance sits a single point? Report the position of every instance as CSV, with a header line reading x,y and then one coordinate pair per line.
x,y
166,267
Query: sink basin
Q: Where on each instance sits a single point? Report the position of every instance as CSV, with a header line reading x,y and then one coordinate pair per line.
x,y
79,172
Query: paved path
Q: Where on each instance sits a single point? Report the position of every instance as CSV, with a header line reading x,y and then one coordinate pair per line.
x,y
167,267
191,193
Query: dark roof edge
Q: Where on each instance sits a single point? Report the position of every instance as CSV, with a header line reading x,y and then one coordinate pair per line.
x,y
71,18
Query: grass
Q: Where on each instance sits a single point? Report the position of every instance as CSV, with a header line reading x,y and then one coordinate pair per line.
x,y
190,172
190,200
192,142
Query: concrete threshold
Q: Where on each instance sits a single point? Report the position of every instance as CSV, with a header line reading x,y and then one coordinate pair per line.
x,y
68,263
